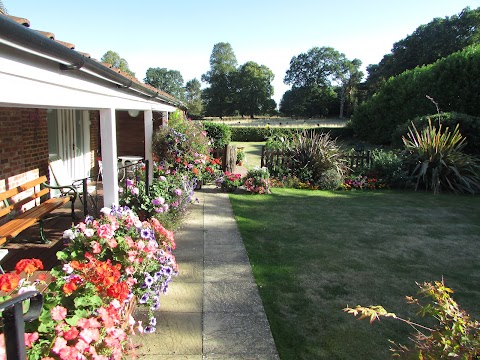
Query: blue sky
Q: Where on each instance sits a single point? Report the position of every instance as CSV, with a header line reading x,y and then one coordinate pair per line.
x,y
180,34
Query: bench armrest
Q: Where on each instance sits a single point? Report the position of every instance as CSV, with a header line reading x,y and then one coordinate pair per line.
x,y
71,189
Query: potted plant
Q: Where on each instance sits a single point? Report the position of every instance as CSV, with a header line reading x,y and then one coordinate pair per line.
x,y
257,181
229,182
240,156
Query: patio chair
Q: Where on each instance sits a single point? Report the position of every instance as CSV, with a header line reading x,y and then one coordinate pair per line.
x,y
62,178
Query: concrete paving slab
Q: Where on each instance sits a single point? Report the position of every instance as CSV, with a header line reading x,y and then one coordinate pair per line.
x,y
214,237
177,333
183,297
221,226
189,235
173,357
191,271
238,335
216,271
233,297
226,253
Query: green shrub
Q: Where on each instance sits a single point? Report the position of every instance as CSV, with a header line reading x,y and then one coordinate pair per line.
x,y
387,167
330,179
220,134
467,125
438,161
451,81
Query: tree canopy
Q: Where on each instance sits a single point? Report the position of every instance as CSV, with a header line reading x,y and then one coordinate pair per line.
x,y
114,59
219,97
246,90
254,89
428,43
170,81
193,97
314,76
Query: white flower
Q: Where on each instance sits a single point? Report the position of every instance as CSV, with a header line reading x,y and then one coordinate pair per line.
x,y
106,210
89,232
24,289
69,234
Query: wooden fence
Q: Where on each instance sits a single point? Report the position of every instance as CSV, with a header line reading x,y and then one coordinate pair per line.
x,y
228,155
359,159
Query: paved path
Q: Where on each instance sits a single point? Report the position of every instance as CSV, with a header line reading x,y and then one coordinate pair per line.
x,y
212,309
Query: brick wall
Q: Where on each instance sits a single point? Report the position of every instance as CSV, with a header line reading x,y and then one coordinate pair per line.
x,y
95,149
130,134
23,149
23,146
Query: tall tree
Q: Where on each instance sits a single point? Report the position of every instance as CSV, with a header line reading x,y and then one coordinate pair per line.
x,y
170,81
254,89
428,43
316,73
193,97
318,66
219,97
308,101
348,77
114,59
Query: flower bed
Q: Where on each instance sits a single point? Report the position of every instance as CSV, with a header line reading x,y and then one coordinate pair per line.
x,y
108,264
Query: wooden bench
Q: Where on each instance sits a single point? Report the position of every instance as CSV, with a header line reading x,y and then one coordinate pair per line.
x,y
18,220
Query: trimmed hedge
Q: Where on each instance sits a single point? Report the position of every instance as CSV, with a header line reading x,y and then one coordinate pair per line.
x,y
451,81
469,127
220,134
250,133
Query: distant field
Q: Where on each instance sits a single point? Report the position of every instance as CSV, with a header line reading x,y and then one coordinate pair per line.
x,y
277,121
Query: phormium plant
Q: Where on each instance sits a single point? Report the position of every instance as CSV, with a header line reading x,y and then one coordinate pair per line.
x,y
438,161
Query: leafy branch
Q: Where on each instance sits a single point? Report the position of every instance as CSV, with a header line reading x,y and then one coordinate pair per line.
x,y
455,336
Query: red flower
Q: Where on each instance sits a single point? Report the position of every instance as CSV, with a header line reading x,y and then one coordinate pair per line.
x,y
9,281
119,291
29,266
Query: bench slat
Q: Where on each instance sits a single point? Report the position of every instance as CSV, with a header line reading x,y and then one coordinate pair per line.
x,y
29,218
20,188
22,202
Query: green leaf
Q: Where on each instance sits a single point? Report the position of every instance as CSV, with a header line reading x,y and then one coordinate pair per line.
x,y
88,301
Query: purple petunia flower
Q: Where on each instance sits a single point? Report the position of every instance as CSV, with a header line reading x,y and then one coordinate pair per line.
x,y
143,299
149,329
148,280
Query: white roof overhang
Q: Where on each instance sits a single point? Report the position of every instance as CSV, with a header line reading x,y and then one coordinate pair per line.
x,y
32,81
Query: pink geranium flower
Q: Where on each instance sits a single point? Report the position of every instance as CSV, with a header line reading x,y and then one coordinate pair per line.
x,y
71,334
105,231
90,335
58,313
30,338
96,247
60,343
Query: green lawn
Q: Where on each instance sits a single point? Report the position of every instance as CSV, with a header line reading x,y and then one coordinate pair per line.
x,y
315,252
253,152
